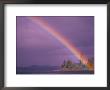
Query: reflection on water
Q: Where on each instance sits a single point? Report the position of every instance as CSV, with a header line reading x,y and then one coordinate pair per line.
x,y
48,70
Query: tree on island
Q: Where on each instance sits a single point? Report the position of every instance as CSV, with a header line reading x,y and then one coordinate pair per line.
x,y
82,65
67,64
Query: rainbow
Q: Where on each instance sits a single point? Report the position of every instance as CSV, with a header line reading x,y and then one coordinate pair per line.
x,y
81,56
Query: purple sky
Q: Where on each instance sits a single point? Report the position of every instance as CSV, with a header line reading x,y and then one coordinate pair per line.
x,y
35,46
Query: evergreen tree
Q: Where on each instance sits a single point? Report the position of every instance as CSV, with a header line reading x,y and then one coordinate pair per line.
x,y
69,64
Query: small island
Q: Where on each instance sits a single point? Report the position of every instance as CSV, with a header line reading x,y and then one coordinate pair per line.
x,y
70,66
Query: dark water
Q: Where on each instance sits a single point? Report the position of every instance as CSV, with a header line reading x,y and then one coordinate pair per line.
x,y
47,70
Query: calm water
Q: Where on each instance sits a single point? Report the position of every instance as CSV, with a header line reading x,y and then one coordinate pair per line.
x,y
47,70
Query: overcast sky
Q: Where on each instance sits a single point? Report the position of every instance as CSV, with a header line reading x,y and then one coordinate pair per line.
x,y
35,46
